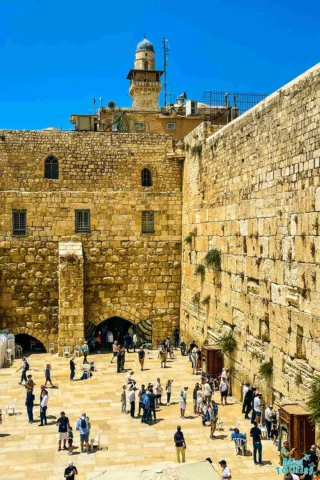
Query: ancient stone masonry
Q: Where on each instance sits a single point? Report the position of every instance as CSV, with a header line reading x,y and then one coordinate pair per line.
x,y
126,273
252,192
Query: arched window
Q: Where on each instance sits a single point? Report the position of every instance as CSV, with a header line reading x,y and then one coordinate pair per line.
x,y
51,168
146,178
146,65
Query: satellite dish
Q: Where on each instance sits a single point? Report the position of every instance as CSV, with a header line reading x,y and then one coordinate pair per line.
x,y
112,105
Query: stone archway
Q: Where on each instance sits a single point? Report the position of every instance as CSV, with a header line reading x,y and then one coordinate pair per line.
x,y
32,333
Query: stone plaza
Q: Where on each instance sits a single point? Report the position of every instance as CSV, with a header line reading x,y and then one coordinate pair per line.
x,y
29,451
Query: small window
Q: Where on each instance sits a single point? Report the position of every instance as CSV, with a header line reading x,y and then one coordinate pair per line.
x,y
51,168
19,222
139,125
171,126
146,65
147,222
82,221
146,177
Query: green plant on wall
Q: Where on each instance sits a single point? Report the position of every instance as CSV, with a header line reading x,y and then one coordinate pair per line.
x,y
213,259
188,239
196,150
226,343
313,402
200,271
196,299
266,370
206,301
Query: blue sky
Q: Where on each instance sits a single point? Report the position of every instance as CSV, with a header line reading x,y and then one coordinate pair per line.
x,y
58,55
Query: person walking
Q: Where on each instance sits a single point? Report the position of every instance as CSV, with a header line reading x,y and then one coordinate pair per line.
x,y
257,406
63,425
110,340
268,418
99,341
43,408
226,472
115,351
207,392
124,399
142,391
159,390
183,401
82,427
134,341
213,412
47,373
141,355
30,384
180,444
24,368
29,404
123,357
72,368
70,471
146,408
85,351
255,434
132,400
194,397
244,392
152,399
70,440
223,391
163,355
119,359
168,390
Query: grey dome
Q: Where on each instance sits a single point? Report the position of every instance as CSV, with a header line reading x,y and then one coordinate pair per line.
x,y
145,45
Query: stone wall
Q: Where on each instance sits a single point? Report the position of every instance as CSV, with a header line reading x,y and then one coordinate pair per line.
x,y
126,273
252,192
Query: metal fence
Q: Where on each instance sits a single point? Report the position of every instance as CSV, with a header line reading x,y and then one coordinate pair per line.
x,y
228,105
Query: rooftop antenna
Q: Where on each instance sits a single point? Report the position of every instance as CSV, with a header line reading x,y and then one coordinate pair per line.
x,y
94,106
165,65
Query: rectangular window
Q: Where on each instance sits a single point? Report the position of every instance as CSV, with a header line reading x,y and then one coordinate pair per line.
x,y
82,221
139,125
171,126
147,222
19,222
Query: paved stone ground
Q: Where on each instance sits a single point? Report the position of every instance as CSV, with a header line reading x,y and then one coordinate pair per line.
x,y
30,451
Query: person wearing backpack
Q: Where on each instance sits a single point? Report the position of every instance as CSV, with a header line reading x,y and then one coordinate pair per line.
x,y
24,367
83,428
85,351
213,417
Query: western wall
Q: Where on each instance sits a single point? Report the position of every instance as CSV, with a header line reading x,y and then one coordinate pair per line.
x,y
53,281
252,192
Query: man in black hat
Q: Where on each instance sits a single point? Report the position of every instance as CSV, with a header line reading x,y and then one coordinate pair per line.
x,y
180,445
248,401
226,472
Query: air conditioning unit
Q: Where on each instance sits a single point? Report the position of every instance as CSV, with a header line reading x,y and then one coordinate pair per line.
x,y
191,107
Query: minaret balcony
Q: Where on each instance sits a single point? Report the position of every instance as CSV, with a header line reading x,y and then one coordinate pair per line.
x,y
146,84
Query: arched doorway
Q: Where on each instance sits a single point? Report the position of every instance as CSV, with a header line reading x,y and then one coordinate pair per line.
x,y
29,344
117,325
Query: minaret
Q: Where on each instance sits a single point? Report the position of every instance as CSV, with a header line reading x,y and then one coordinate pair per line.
x,y
145,84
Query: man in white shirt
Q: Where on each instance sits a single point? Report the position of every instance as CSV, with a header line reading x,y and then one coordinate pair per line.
x,y
132,400
268,418
110,339
226,472
257,402
207,392
43,408
223,391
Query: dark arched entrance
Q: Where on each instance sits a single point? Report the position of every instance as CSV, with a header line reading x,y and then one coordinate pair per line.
x,y
29,344
117,325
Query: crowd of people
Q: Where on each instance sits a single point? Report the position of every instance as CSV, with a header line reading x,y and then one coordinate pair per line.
x,y
143,403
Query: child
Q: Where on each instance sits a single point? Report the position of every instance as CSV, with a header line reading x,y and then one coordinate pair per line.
x,y
123,400
70,440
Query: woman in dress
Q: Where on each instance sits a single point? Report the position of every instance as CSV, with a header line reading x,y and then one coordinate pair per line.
x,y
183,401
163,355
